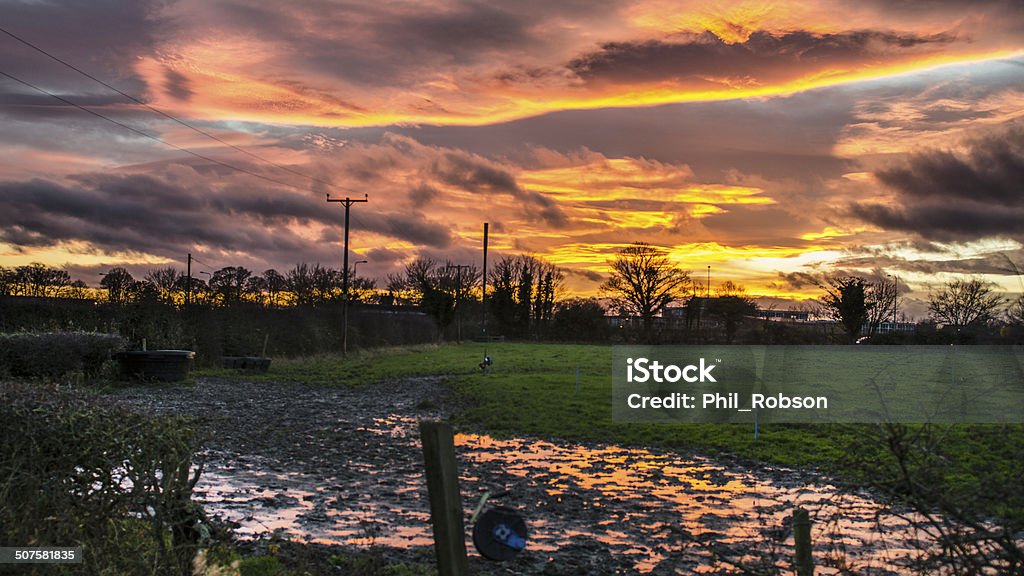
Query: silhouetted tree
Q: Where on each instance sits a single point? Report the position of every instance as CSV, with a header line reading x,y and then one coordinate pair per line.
x,y
731,306
7,284
299,281
37,280
274,283
118,283
1015,312
522,300
881,295
78,289
643,281
846,301
327,284
228,284
167,282
964,303
423,284
435,288
579,319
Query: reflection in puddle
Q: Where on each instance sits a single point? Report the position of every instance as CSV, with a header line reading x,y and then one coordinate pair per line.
x,y
647,506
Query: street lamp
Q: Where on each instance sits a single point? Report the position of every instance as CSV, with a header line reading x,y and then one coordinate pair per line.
x,y
355,267
895,298
344,338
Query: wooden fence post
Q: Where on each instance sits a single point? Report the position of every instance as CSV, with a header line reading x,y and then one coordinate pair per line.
x,y
445,498
803,562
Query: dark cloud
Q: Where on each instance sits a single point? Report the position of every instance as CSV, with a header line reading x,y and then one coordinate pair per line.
x,y
378,44
167,215
457,169
177,85
991,264
103,36
782,137
800,280
590,275
763,57
990,172
422,194
943,195
414,228
477,175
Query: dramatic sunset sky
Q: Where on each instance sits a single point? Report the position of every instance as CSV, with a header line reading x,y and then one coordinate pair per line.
x,y
776,142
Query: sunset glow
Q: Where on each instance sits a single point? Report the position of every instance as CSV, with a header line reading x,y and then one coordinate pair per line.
x,y
776,142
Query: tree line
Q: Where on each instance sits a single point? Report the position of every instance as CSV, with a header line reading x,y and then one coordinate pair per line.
x,y
304,284
645,280
525,294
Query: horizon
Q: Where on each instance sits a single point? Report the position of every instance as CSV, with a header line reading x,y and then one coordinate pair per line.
x,y
778,143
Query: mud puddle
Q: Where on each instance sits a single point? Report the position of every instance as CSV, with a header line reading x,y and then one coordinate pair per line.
x,y
343,466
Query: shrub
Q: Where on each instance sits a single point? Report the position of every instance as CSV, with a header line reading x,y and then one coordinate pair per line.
x,y
78,471
54,355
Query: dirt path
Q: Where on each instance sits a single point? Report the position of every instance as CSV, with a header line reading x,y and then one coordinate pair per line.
x,y
343,466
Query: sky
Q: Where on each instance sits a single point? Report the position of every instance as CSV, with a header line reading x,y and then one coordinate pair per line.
x,y
779,143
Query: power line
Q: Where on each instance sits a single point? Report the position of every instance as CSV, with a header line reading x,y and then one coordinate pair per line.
x,y
166,115
150,136
194,259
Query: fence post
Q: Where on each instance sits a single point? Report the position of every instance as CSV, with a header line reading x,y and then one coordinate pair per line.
x,y
445,499
803,562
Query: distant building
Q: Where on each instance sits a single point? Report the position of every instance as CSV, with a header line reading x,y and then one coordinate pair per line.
x,y
887,327
784,315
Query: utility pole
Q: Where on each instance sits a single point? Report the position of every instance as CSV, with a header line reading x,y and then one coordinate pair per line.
x,y
348,202
188,281
458,299
483,293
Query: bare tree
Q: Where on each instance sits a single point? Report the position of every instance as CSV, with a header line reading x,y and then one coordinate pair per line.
x,y
118,284
964,303
881,295
644,280
426,284
167,281
274,283
1015,312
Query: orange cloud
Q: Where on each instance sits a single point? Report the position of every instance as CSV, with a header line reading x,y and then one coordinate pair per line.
x,y
389,65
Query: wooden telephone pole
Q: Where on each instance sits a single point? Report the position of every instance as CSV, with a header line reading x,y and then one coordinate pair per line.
x,y
348,202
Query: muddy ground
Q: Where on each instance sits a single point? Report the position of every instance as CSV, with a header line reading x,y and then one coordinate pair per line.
x,y
341,469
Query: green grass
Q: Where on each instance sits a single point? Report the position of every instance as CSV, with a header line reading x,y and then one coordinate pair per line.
x,y
531,390
362,367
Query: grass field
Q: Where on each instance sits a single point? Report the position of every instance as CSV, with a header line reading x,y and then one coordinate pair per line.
x,y
531,390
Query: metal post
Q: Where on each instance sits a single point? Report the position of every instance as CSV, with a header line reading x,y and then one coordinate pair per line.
x,y
188,282
483,294
895,299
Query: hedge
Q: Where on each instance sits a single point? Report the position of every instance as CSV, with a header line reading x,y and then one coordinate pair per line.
x,y
54,355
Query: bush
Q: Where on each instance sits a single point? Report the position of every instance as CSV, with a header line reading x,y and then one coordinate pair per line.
x,y
54,355
77,471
